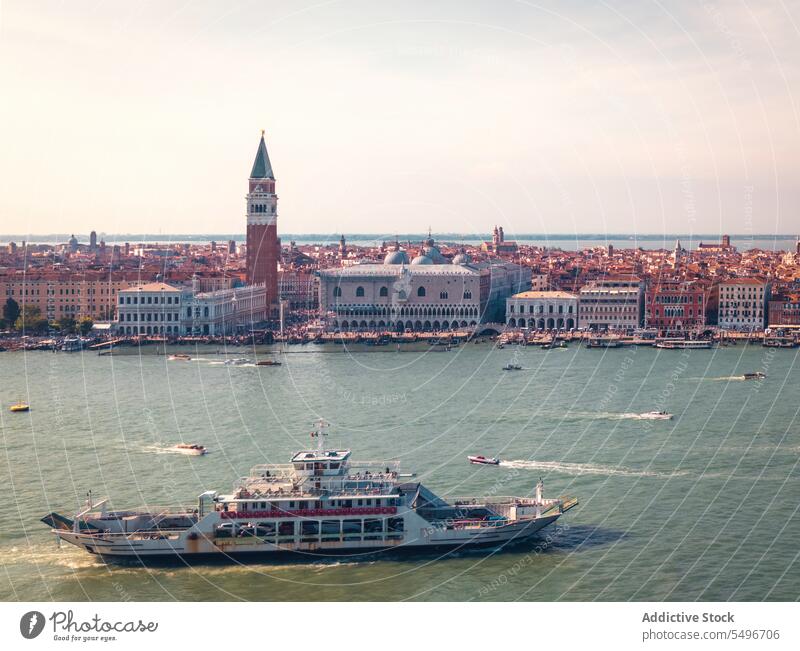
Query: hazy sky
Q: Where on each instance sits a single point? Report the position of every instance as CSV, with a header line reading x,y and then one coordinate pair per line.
x,y
394,116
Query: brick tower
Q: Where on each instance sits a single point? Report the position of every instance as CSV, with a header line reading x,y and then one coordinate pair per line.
x,y
263,245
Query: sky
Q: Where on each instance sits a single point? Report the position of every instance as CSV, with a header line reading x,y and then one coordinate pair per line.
x,y
389,116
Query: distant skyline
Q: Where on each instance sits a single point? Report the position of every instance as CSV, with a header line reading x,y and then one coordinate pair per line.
x,y
555,118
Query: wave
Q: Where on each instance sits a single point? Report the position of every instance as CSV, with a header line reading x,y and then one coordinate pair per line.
x,y
585,469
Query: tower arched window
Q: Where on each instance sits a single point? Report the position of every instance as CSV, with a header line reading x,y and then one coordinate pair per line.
x,y
421,291
337,291
443,295
384,291
359,291
467,295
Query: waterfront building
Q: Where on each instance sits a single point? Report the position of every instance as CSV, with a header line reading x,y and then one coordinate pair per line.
x,y
611,303
150,309
741,303
60,295
263,245
299,289
542,310
420,295
675,305
223,312
784,310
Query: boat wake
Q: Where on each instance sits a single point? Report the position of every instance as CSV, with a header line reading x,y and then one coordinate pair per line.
x,y
608,415
585,469
162,449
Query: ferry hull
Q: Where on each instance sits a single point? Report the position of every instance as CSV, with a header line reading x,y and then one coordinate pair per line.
x,y
204,550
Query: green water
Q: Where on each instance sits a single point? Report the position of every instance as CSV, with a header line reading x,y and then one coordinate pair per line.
x,y
701,507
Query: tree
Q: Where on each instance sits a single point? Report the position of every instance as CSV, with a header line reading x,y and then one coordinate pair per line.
x,y
31,320
85,325
66,325
10,311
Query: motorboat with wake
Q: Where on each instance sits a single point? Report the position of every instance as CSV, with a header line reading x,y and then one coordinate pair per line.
x,y
512,367
322,503
656,415
192,449
479,459
758,375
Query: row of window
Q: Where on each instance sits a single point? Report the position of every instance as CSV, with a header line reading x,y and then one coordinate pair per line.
x,y
148,316
134,300
383,292
540,308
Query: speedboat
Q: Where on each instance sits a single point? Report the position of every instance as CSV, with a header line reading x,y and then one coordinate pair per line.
x,y
179,357
19,407
192,449
758,375
268,362
479,459
656,415
512,367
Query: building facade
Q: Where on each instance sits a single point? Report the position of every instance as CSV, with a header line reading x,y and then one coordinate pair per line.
x,y
741,303
542,310
675,306
784,310
263,245
418,296
151,309
225,311
611,303
60,295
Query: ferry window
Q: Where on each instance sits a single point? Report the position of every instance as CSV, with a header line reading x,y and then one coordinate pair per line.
x,y
373,526
347,503
291,505
367,502
309,527
351,526
298,466
359,502
286,528
395,524
330,527
309,466
263,505
267,528
334,465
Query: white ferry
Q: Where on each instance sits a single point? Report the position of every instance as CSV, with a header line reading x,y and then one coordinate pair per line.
x,y
321,503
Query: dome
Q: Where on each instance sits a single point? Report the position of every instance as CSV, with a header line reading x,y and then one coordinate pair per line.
x,y
422,259
462,258
396,257
433,253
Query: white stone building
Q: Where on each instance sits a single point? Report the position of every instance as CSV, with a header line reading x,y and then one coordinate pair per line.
x,y
741,303
421,295
150,309
611,303
542,310
225,311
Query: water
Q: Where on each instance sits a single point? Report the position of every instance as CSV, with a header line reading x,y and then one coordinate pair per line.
x,y
704,506
563,241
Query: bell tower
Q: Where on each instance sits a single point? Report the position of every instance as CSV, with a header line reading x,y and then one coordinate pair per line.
x,y
263,245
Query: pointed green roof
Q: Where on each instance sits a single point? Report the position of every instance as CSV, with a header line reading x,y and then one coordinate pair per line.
x,y
262,168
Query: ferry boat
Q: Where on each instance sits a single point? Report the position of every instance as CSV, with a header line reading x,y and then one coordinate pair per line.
x,y
268,362
604,342
322,503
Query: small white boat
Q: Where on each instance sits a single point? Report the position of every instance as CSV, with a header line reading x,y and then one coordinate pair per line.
x,y
237,361
656,415
512,367
192,449
480,460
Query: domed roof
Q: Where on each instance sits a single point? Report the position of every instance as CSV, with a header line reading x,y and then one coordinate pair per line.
x,y
422,259
396,257
433,253
462,258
